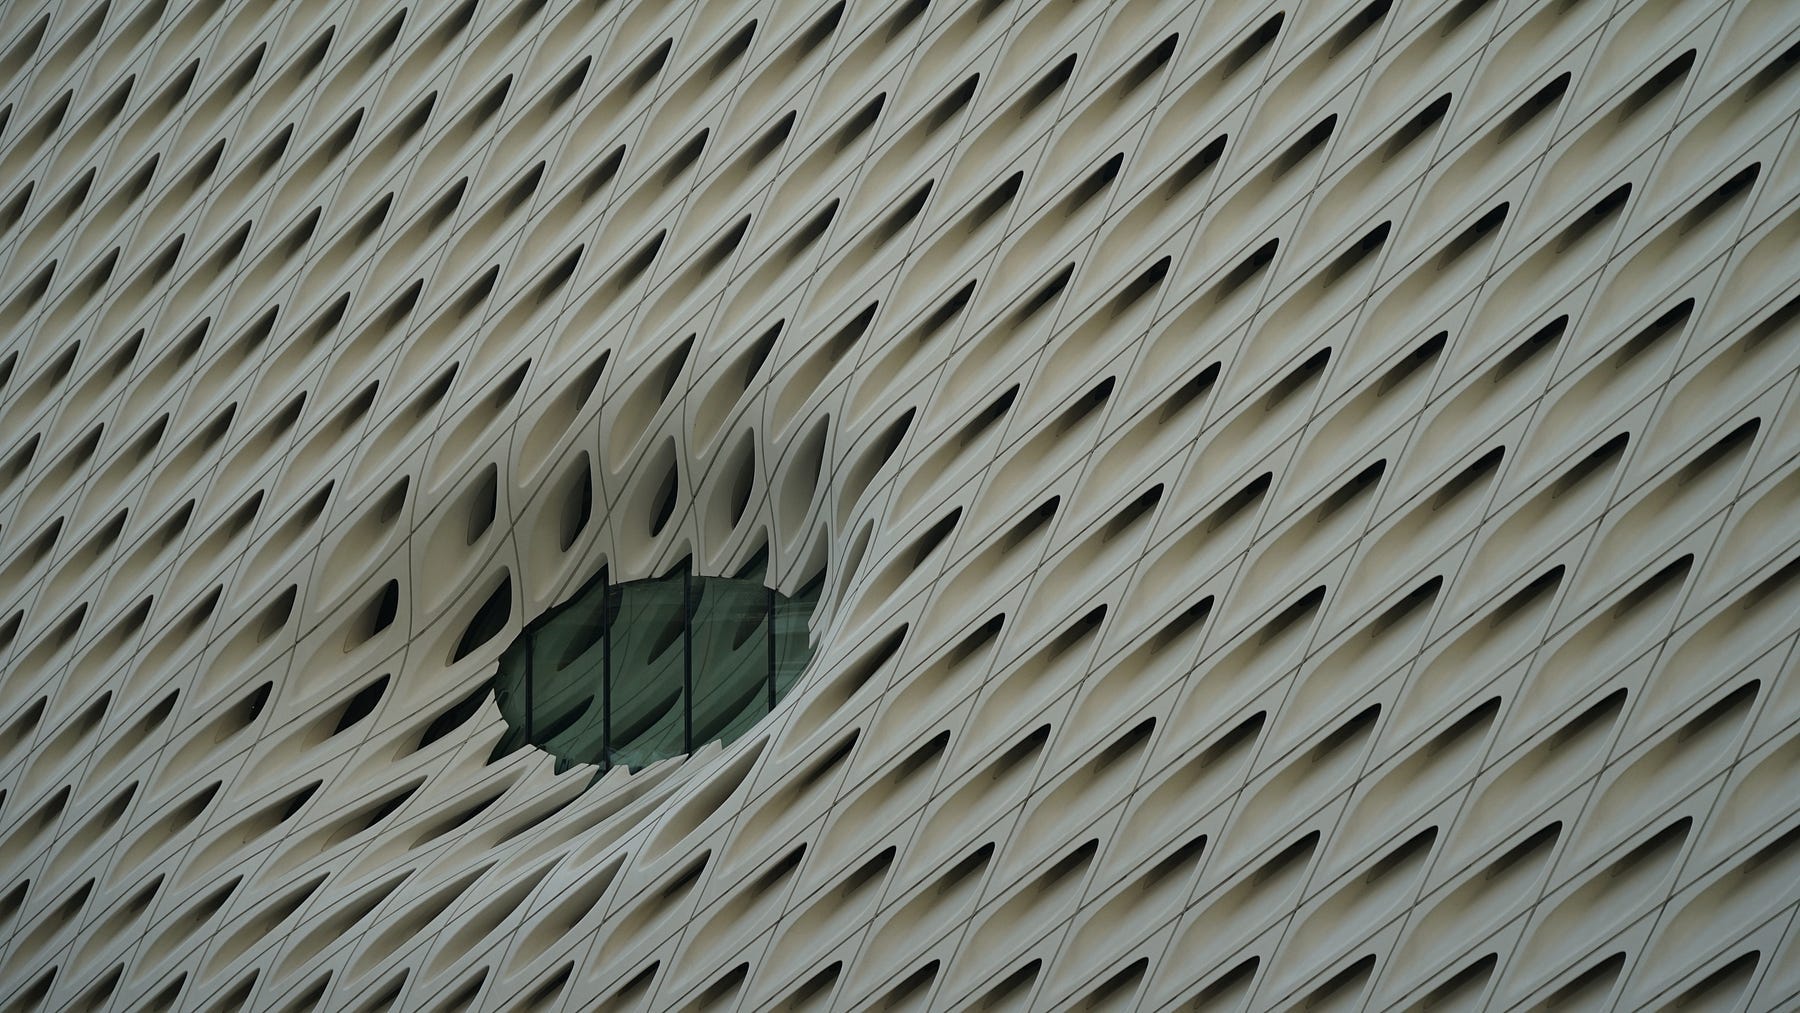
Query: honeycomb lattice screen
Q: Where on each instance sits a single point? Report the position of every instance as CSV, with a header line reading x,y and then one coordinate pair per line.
x,y
1308,495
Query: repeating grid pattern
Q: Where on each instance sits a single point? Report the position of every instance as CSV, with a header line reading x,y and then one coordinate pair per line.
x,y
1309,495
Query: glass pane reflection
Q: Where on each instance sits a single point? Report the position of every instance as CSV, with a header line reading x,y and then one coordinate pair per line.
x,y
633,673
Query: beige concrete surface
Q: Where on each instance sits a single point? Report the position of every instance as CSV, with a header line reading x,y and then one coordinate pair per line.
x,y
1308,494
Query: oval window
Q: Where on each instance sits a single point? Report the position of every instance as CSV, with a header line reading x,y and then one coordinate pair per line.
x,y
628,674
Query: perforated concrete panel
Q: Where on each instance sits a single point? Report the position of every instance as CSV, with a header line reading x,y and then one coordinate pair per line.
x,y
1308,494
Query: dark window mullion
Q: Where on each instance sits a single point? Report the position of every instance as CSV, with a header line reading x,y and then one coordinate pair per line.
x,y
687,660
606,618
530,697
769,635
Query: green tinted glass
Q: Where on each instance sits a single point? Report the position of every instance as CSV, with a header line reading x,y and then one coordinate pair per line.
x,y
633,673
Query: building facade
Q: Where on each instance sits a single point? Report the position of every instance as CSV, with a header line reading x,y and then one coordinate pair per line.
x,y
1299,501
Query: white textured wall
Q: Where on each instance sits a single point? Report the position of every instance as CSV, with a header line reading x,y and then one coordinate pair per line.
x,y
1310,492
